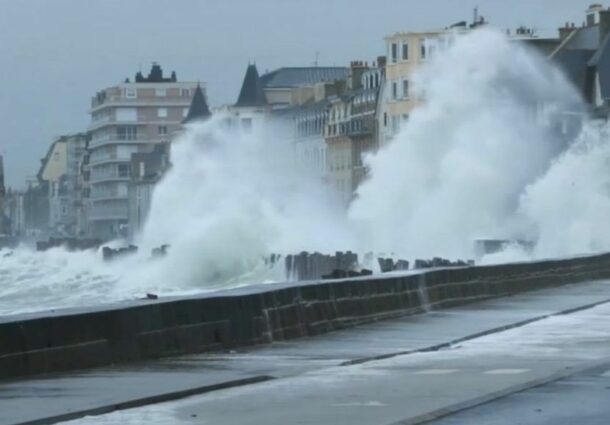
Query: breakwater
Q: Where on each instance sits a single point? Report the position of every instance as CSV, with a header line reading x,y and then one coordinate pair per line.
x,y
140,330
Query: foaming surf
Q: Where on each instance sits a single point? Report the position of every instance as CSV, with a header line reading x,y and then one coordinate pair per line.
x,y
484,155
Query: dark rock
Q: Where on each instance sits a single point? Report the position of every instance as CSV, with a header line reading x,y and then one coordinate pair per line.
x,y
160,252
401,265
109,254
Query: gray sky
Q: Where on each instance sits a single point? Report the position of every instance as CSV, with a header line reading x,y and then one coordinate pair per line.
x,y
55,54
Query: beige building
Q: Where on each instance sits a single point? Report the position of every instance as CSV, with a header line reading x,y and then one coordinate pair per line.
x,y
406,52
351,129
128,118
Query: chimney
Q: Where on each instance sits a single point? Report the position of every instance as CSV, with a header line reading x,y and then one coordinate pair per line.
x,y
604,25
357,68
381,61
566,30
593,14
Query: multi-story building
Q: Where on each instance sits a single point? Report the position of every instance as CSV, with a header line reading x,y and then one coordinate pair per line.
x,y
407,51
62,169
147,168
128,118
262,96
53,175
279,85
304,123
351,130
584,55
3,222
14,212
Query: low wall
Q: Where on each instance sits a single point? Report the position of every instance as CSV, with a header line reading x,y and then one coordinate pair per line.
x,y
76,339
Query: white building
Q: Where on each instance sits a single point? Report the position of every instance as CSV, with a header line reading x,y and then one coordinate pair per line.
x,y
125,119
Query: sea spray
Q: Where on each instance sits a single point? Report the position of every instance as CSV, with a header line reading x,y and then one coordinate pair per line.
x,y
233,197
457,169
482,156
568,207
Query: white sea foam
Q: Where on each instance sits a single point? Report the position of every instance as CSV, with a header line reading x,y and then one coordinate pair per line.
x,y
481,157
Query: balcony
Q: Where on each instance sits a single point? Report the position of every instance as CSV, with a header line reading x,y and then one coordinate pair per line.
x,y
100,211
105,158
115,140
161,101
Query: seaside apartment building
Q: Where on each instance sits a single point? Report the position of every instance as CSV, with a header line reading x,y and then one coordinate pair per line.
x,y
131,117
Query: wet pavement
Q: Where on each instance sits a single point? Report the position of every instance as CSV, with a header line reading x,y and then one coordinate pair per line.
x,y
309,376
582,399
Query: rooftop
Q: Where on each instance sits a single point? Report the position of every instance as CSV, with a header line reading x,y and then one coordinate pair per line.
x,y
199,110
155,76
251,93
289,77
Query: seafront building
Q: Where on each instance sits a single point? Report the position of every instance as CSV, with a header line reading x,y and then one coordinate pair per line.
x,y
131,117
147,168
352,128
3,218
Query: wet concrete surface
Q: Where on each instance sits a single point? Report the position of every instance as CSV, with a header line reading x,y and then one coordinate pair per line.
x,y
582,399
316,361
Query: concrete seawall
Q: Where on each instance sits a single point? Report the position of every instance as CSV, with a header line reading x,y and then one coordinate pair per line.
x,y
139,330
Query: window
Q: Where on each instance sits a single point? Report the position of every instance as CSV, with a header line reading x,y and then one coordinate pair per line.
x,y
185,93
123,170
127,114
394,53
405,51
162,129
385,119
130,93
422,48
160,92
127,132
405,89
185,112
162,112
394,90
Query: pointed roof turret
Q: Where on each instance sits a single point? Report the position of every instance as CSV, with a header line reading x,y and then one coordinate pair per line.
x,y
251,93
199,110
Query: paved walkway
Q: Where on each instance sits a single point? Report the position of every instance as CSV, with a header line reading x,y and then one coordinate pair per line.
x,y
309,369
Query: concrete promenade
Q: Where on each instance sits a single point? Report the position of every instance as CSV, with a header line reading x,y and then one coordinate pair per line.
x,y
334,378
86,337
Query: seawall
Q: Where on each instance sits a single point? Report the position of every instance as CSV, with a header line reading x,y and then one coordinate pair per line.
x,y
139,330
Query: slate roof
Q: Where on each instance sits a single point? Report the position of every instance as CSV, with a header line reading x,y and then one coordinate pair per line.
x,y
251,93
585,38
601,60
574,64
199,110
302,76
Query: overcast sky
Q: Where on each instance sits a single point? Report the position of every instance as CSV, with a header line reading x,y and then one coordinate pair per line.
x,y
55,54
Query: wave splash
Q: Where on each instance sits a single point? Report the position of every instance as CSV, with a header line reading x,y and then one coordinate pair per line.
x,y
486,155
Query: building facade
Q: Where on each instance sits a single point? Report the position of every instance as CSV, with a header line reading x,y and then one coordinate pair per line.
x,y
128,118
3,216
352,128
65,194
406,52
147,169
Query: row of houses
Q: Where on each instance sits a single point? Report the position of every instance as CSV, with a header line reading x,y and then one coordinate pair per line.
x,y
99,183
